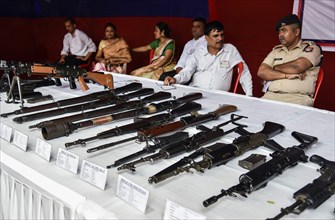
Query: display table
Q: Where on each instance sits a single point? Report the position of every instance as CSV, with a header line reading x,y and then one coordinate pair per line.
x,y
68,196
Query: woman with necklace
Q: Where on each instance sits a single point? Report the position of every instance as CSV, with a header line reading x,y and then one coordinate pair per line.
x,y
113,53
163,59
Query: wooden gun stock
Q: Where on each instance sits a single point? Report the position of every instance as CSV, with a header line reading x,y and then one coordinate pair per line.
x,y
224,109
161,129
102,79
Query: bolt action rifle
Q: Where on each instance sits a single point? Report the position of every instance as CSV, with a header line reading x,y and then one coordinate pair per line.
x,y
86,98
219,153
313,194
106,100
282,159
140,124
67,128
184,122
206,135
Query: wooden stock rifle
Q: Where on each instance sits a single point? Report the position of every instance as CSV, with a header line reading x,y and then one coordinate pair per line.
x,y
140,124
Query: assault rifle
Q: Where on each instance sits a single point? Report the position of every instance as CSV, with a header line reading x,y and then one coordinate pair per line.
x,y
261,175
143,123
71,101
219,153
56,71
67,128
129,105
150,133
206,135
313,194
109,99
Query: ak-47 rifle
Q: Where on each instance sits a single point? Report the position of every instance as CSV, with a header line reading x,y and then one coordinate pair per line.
x,y
71,73
151,133
206,135
261,175
86,98
129,105
313,194
219,153
55,71
143,123
109,99
67,128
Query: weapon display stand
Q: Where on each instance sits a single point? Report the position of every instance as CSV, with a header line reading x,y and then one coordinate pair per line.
x,y
16,81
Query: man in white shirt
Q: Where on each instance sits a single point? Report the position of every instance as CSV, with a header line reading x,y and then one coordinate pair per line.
x,y
198,29
77,46
211,66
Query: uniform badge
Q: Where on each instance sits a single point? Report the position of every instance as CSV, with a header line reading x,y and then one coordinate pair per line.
x,y
308,49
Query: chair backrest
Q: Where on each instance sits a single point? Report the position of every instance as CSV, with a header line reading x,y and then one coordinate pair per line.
x,y
238,68
318,83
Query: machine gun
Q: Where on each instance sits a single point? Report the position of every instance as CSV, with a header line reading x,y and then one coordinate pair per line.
x,y
261,175
143,123
55,71
108,99
67,128
194,119
219,153
206,135
86,98
313,194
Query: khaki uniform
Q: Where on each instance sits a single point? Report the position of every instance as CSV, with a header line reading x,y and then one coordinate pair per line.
x,y
294,90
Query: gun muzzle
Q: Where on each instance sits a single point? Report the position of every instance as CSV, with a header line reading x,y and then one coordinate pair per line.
x,y
57,130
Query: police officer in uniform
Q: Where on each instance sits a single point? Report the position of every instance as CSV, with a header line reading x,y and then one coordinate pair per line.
x,y
290,71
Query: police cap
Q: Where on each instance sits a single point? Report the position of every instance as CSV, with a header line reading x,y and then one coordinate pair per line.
x,y
287,20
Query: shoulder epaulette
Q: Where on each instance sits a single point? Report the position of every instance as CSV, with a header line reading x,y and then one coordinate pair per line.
x,y
308,42
277,47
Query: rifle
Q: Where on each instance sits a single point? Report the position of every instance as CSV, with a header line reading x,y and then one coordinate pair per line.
x,y
71,101
67,128
109,99
219,153
70,73
206,135
313,194
56,71
150,133
261,175
28,87
143,123
105,111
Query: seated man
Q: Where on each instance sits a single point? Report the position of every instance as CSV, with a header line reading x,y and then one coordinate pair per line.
x,y
211,65
77,46
291,69
198,28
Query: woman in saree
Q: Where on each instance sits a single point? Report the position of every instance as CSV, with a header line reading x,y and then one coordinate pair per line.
x,y
113,52
163,60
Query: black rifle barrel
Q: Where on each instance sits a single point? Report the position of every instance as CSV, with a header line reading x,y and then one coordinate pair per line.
x,y
71,101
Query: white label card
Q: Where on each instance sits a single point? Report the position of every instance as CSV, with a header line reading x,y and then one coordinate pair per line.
x,y
43,149
94,174
67,160
6,132
132,193
20,140
175,211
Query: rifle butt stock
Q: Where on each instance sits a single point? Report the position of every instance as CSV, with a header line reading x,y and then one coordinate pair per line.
x,y
102,79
